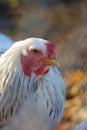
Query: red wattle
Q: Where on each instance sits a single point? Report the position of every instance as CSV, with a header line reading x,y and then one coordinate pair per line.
x,y
41,71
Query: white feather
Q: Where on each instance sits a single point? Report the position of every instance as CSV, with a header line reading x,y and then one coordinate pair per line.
x,y
82,125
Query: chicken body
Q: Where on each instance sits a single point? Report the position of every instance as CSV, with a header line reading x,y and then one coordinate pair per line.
x,y
29,101
5,43
82,125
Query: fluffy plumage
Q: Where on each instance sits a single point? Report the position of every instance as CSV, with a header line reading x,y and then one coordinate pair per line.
x,y
5,43
82,125
32,99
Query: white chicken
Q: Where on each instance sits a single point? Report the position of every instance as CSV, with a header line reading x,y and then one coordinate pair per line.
x,y
5,43
82,125
32,91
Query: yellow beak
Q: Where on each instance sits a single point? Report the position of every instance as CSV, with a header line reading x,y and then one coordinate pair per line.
x,y
50,62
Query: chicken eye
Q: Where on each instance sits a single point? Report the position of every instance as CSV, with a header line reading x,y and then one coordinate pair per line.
x,y
35,50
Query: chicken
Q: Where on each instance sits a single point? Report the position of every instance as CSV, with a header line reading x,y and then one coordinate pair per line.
x,y
82,125
5,43
32,91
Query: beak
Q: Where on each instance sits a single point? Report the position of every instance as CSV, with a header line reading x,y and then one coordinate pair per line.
x,y
50,62
53,62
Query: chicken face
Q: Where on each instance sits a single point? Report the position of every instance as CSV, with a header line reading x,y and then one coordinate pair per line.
x,y
38,57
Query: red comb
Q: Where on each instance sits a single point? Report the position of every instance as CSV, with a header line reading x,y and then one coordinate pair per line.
x,y
50,49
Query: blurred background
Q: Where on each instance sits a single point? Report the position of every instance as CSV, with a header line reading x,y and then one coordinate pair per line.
x,y
64,22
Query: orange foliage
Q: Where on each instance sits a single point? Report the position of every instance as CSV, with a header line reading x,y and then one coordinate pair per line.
x,y
78,76
66,116
62,126
72,77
